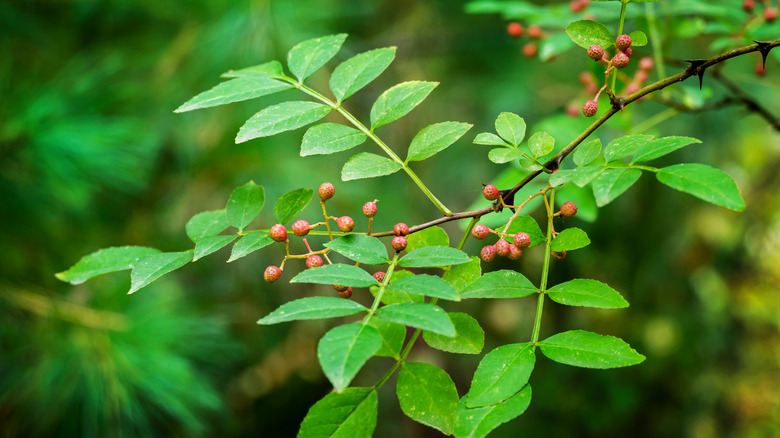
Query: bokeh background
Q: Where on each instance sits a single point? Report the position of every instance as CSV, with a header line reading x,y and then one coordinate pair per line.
x,y
92,155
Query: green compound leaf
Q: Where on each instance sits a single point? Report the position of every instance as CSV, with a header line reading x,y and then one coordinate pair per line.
x,y
368,165
490,139
329,138
589,350
501,374
249,244
433,256
394,297
154,266
344,350
235,90
638,38
350,414
479,422
528,225
511,128
625,146
397,101
392,337
244,205
418,315
560,177
312,308
308,56
583,176
541,144
291,204
211,244
337,273
433,236
272,69
587,293
205,224
460,276
612,183
586,153
358,71
285,116
361,248
585,33
704,182
103,261
662,146
427,395
499,284
427,285
469,336
570,239
504,155
435,138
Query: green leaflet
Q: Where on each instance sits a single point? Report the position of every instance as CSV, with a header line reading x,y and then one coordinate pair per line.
x,y
433,256
368,165
499,284
528,225
235,90
589,350
356,72
285,116
291,204
336,273
349,414
541,144
504,155
154,266
392,337
479,422
103,261
244,205
460,276
570,239
398,100
312,308
501,374
329,138
435,138
704,182
432,236
586,153
249,244
612,183
418,315
211,244
360,248
427,285
427,395
344,350
585,292
271,69
308,56
625,146
585,33
469,337
662,146
489,139
511,128
206,223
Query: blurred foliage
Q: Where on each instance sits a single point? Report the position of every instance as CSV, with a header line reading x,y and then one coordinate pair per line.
x,y
91,155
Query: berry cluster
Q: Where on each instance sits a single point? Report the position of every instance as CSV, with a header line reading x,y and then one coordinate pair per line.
x,y
769,15
516,30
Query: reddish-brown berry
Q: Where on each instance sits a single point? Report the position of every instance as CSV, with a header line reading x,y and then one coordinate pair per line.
x,y
514,29
646,63
573,110
399,243
346,293
339,288
640,76
300,227
590,108
770,14
369,209
628,52
595,52
623,42
401,229
522,240
313,261
345,223
488,253
379,276
585,78
278,233
272,273
502,247
529,50
326,191
577,6
568,209
560,255
480,231
514,252
748,6
534,31
620,60
490,192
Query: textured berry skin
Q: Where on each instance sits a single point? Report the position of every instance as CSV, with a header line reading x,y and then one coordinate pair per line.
x,y
560,255
369,209
300,227
646,63
339,288
326,191
522,240
490,192
514,29
345,223
313,261
770,14
488,253
595,52
748,6
401,229
623,42
278,233
514,252
620,60
502,247
529,50
480,231
534,31
590,108
272,273
346,293
379,276
628,52
569,209
399,243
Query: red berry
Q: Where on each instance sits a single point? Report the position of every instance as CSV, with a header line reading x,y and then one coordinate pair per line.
x,y
632,88
529,50
560,255
573,110
623,42
770,14
346,293
515,252
278,233
480,231
748,6
534,31
326,191
568,209
640,76
399,243
589,108
369,209
300,227
488,253
514,29
313,261
577,6
646,63
586,78
502,247
620,60
628,52
339,288
595,52
345,223
490,192
522,240
272,273
401,229
379,276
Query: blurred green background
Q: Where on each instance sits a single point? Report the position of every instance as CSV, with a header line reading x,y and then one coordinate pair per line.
x,y
92,155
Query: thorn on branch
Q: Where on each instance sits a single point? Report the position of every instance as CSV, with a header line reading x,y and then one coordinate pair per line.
x,y
618,103
696,67
764,48
507,198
